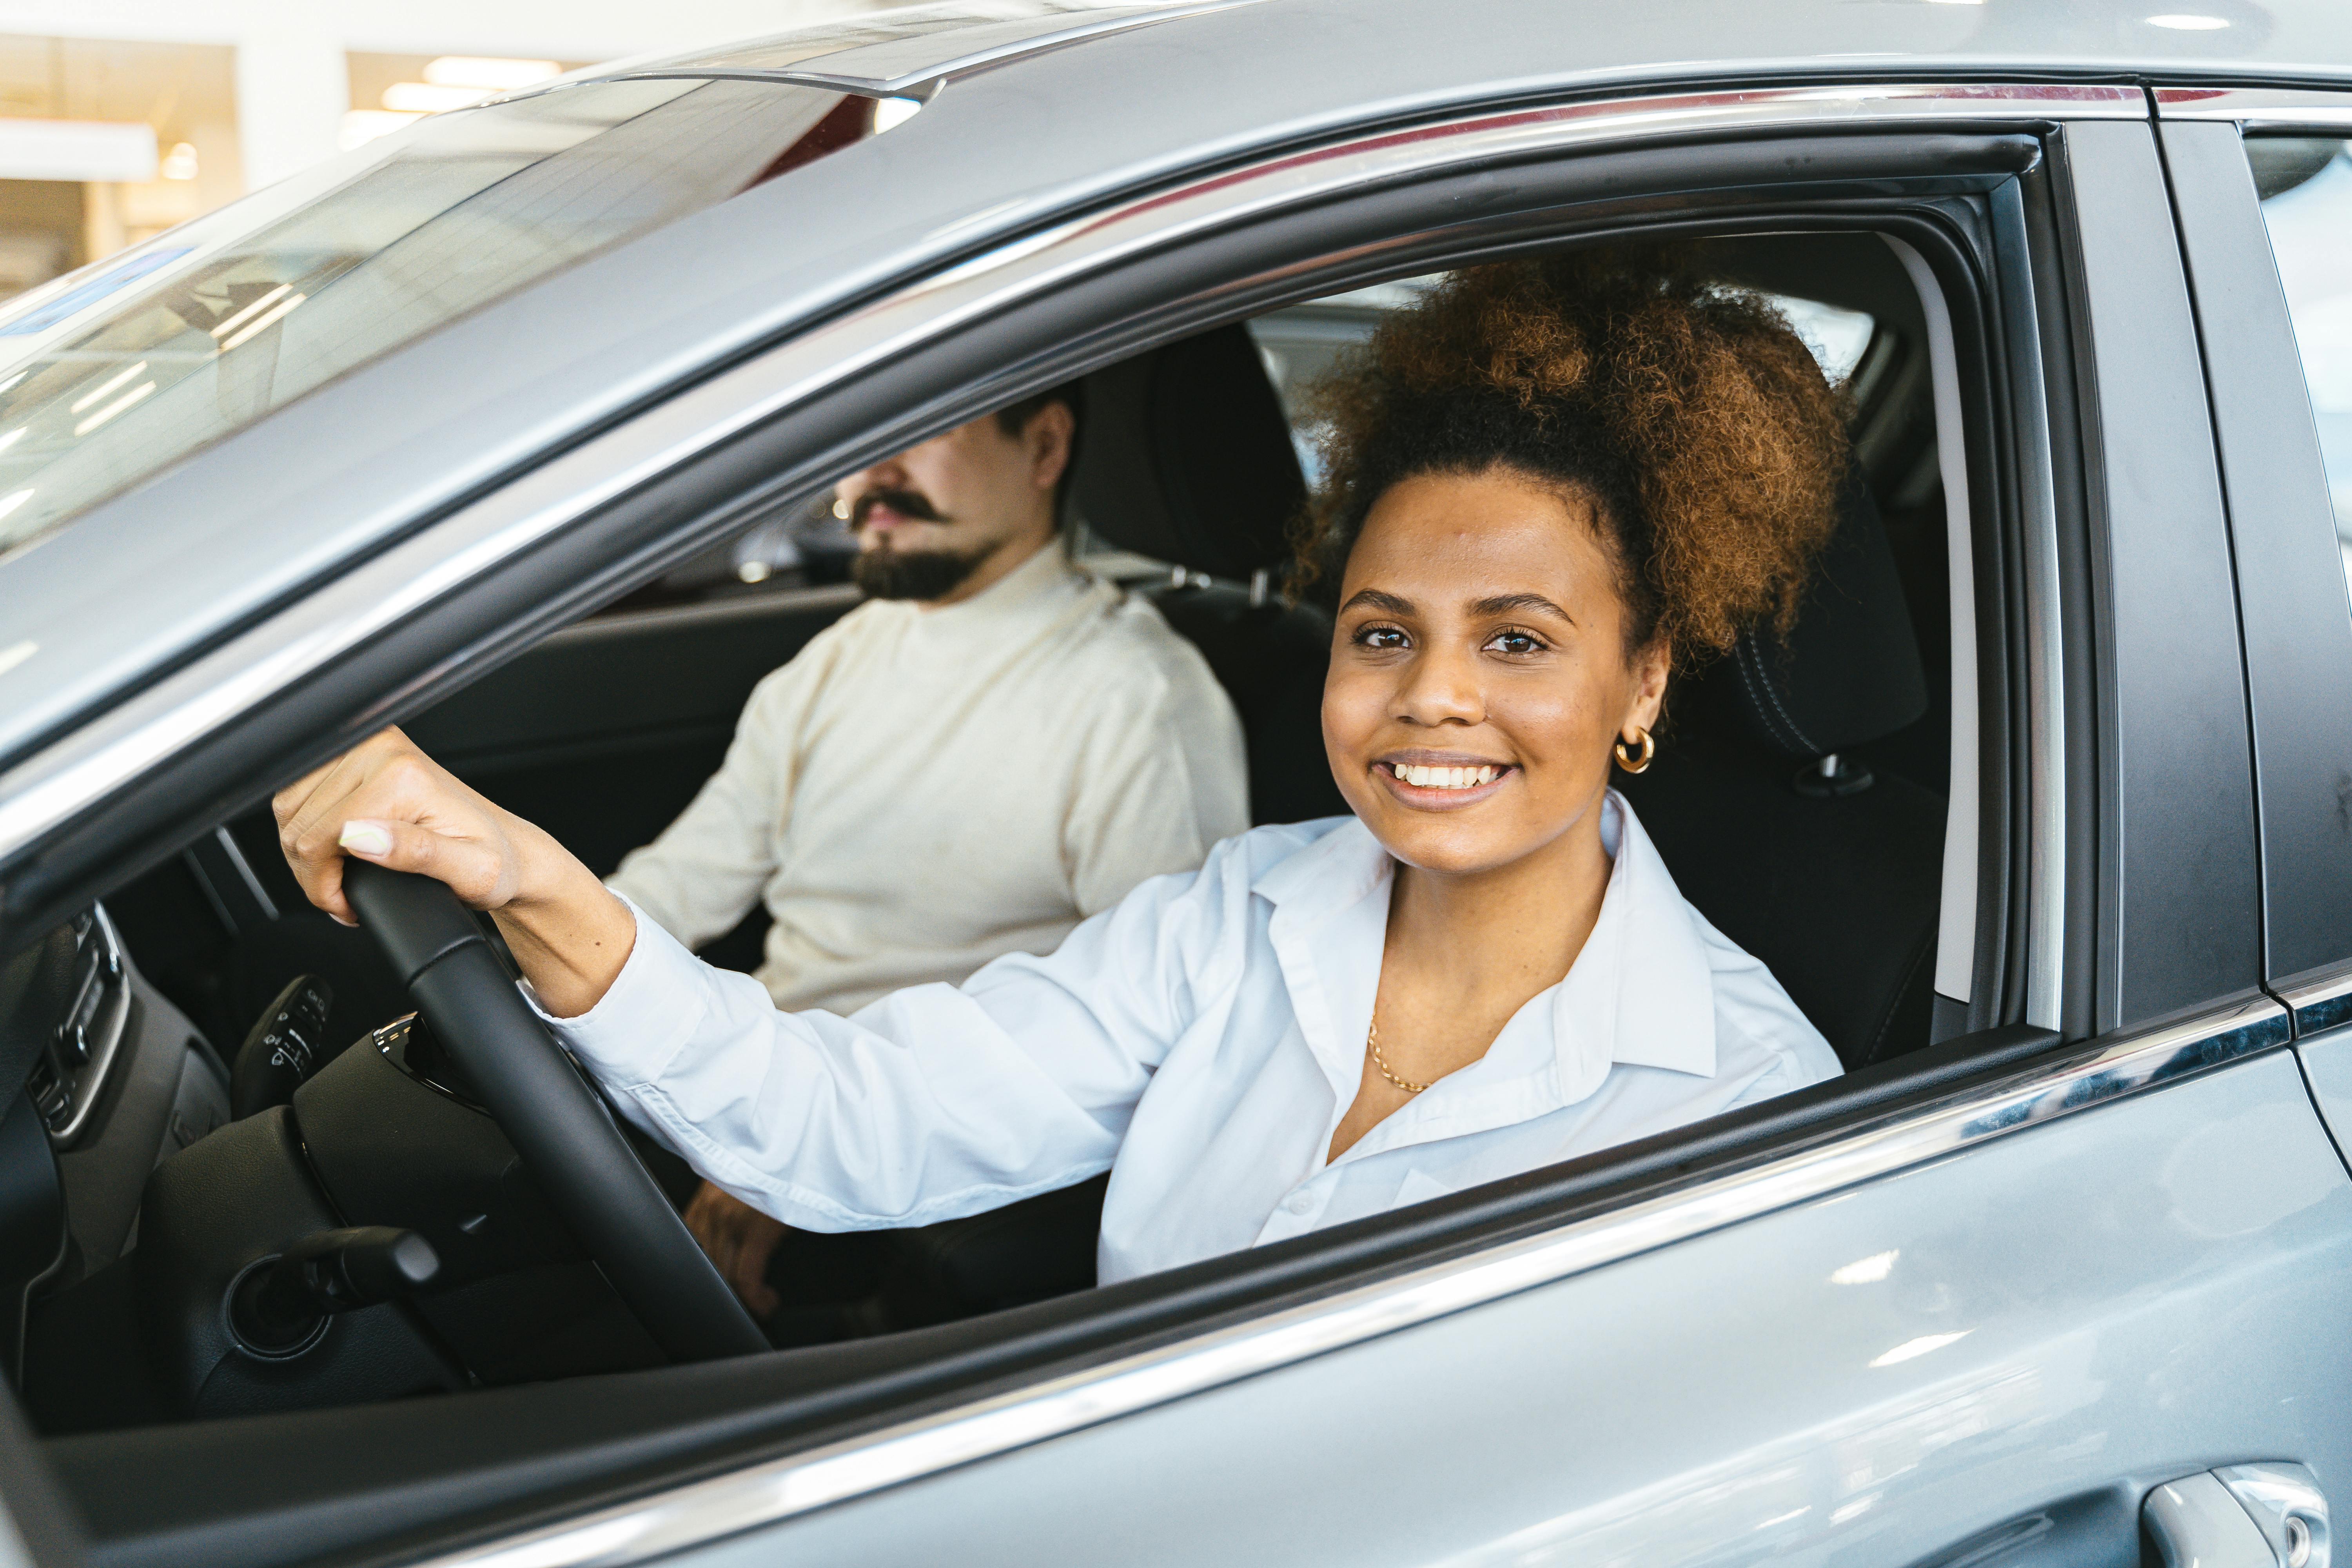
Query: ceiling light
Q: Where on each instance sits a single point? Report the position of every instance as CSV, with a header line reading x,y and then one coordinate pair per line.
x,y
262,322
233,323
104,387
1920,1347
361,126
2182,23
489,74
423,97
1867,1270
180,162
113,408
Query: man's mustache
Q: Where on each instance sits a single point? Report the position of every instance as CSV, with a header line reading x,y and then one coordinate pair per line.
x,y
911,504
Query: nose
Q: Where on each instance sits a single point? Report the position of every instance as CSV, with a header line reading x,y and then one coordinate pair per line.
x,y
889,474
1441,687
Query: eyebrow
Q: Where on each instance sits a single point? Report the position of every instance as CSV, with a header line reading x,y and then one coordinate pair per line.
x,y
1499,605
1374,599
1503,604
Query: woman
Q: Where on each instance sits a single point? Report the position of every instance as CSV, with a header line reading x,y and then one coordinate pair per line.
x,y
1552,482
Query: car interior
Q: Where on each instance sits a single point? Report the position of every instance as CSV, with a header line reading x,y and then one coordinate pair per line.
x,y
193,1109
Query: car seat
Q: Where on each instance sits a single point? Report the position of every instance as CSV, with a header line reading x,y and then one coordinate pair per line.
x,y
1778,835
1187,459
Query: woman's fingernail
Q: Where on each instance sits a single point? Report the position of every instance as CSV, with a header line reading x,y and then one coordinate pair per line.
x,y
366,838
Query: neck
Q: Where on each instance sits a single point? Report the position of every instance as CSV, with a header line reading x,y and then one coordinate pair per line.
x,y
1503,934
1001,562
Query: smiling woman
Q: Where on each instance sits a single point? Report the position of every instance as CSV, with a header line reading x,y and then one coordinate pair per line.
x,y
1485,970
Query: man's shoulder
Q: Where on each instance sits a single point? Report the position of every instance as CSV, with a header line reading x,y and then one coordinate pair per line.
x,y
1132,653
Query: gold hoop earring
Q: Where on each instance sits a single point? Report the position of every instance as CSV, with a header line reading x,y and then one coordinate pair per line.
x,y
1625,753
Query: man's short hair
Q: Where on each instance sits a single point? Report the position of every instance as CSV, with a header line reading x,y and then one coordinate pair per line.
x,y
1014,418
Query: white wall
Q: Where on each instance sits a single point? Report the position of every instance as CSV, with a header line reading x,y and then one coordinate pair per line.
x,y
291,81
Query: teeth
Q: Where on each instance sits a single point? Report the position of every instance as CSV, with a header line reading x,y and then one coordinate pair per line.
x,y
1447,778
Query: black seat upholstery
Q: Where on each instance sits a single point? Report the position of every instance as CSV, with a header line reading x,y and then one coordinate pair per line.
x,y
1836,894
1187,459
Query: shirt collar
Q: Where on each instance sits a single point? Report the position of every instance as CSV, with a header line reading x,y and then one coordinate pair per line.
x,y
1641,992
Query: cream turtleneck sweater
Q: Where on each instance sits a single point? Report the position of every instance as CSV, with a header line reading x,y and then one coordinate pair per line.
x,y
922,789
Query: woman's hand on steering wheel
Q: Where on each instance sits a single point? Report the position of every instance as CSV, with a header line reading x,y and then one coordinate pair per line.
x,y
385,801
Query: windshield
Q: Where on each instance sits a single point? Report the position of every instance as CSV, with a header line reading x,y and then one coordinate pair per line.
x,y
114,372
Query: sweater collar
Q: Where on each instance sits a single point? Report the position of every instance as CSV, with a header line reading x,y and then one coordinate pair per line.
x,y
1037,587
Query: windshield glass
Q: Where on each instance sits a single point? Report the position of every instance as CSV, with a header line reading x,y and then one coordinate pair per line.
x,y
112,372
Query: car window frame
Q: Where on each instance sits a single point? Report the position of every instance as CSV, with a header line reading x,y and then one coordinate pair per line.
x,y
1980,1087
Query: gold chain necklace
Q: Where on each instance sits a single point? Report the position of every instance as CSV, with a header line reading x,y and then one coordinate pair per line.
x,y
1372,1044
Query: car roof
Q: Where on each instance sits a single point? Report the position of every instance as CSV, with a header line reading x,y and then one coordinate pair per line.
x,y
1045,110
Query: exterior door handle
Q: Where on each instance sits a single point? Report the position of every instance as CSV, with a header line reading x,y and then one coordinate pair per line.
x,y
2240,1516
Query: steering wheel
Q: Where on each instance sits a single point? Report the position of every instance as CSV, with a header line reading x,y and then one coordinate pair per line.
x,y
556,1120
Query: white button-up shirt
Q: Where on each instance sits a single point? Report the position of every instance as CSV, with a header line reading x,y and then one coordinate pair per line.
x,y
1201,1040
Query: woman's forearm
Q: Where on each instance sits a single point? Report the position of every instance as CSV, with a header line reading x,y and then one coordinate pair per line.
x,y
569,932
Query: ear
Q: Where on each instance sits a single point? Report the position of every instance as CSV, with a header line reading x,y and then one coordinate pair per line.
x,y
1649,668
1047,440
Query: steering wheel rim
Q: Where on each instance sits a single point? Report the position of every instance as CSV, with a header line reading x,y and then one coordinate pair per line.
x,y
554,1117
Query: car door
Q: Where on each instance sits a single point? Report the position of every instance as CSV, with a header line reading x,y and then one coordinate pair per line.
x,y
1987,1320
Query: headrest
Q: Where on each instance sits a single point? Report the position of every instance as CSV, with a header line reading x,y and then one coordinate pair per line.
x,y
1187,457
1849,672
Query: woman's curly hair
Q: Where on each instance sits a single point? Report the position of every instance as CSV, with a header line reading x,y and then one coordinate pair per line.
x,y
1687,413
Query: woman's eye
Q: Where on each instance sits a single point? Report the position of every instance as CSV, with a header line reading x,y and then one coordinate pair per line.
x,y
1516,642
1380,638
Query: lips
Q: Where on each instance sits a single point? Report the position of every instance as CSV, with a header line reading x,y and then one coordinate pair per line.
x,y
1439,781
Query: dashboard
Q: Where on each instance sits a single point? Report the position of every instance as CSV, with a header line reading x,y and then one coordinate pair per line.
x,y
102,1078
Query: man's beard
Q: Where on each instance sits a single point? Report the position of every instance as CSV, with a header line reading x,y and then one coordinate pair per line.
x,y
882,572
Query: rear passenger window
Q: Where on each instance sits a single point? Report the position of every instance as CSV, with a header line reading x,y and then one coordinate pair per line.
x,y
2305,184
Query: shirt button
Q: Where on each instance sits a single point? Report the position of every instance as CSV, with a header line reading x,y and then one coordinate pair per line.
x,y
1299,1203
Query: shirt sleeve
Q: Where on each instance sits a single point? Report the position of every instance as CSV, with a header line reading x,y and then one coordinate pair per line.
x,y
1162,781
934,1103
701,877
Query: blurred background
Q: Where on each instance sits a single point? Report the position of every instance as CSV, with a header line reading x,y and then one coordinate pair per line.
x,y
120,118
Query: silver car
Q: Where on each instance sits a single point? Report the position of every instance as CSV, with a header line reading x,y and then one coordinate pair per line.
x,y
517,428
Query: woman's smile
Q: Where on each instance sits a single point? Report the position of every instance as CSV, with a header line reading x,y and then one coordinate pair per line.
x,y
1440,781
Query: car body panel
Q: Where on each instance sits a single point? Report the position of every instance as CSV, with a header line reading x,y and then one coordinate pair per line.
x,y
2074,1312
996,153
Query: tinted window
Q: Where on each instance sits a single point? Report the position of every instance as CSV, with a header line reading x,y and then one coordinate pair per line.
x,y
110,374
2307,189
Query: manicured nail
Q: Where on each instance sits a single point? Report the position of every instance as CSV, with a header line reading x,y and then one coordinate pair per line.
x,y
370,838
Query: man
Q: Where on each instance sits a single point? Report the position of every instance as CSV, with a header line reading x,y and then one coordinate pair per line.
x,y
992,747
